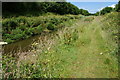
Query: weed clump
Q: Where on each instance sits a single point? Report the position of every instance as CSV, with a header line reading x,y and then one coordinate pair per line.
x,y
70,38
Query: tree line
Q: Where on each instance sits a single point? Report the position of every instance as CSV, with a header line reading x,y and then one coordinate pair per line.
x,y
109,9
42,7
35,8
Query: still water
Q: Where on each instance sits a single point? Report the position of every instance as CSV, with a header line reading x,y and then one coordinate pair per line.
x,y
20,46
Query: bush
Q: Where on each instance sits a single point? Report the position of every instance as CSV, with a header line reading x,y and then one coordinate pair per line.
x,y
54,21
51,26
37,23
21,20
29,31
23,27
38,30
10,24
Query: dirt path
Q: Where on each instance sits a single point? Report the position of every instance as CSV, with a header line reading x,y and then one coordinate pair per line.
x,y
92,61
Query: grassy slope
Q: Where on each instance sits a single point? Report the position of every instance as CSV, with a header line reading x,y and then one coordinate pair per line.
x,y
75,52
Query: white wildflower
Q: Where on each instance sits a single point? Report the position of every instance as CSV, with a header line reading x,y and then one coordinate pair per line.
x,y
101,53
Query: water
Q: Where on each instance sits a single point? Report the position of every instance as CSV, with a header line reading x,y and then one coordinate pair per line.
x,y
20,46
24,45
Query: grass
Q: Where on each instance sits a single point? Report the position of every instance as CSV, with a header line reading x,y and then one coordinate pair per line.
x,y
72,52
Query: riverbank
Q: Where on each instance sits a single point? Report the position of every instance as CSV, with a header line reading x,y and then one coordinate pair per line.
x,y
25,45
20,28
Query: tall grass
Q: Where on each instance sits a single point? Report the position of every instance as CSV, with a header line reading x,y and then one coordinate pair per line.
x,y
71,52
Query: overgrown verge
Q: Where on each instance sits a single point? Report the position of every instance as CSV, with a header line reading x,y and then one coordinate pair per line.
x,y
18,28
21,67
111,25
83,50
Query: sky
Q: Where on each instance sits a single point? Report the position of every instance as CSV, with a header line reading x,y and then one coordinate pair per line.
x,y
92,0
93,7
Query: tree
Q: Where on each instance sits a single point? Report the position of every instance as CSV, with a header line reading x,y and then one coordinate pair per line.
x,y
97,13
40,7
106,10
64,8
84,12
117,7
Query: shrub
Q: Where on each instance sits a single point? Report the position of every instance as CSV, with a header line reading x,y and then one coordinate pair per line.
x,y
23,27
10,24
17,37
29,26
54,21
21,20
9,40
37,23
38,29
29,31
51,26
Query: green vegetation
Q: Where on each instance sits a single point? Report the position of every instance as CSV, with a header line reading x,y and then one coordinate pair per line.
x,y
108,10
17,28
84,48
11,9
117,7
75,46
105,10
84,12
